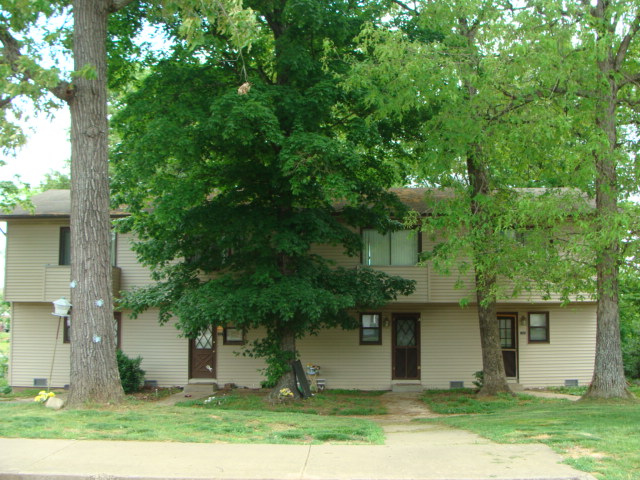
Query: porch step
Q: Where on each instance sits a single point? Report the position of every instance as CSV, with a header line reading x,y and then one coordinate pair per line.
x,y
516,387
198,390
406,387
202,381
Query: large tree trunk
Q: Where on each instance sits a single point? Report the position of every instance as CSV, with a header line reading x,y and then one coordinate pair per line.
x,y
94,370
288,379
495,380
608,375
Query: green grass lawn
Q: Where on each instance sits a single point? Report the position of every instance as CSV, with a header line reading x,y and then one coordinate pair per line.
x,y
140,419
602,438
328,402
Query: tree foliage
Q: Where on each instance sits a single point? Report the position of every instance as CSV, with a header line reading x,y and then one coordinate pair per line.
x,y
454,76
232,180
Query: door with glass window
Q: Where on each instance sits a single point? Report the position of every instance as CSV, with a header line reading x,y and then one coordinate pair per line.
x,y
406,347
509,342
203,355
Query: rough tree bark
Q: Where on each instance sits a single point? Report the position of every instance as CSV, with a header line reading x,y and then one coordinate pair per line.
x,y
94,370
288,379
495,380
608,375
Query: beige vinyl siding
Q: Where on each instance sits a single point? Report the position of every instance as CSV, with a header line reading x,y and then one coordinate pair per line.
x,y
133,274
347,364
165,355
31,245
420,274
450,347
336,254
233,367
33,340
570,353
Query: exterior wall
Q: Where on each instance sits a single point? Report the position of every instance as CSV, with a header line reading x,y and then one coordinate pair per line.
x,y
133,274
570,353
450,343
33,340
31,244
449,349
233,367
165,355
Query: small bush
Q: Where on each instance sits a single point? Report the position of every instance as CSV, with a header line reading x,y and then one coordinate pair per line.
x,y
131,375
479,379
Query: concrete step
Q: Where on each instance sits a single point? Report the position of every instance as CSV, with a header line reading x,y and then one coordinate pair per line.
x,y
406,387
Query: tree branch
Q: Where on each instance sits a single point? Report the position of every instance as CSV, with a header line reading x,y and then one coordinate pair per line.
x,y
11,53
630,79
405,6
624,45
116,5
5,101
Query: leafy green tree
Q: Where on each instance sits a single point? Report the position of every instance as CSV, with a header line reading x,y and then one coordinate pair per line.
x,y
594,50
103,32
55,180
454,78
630,322
232,180
94,373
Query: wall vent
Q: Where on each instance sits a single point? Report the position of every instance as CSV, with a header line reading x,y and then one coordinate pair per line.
x,y
456,384
40,382
571,383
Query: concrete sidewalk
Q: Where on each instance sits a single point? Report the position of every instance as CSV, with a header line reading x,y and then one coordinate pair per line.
x,y
412,451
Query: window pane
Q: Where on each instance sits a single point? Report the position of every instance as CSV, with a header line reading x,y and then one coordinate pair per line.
x,y
538,319
404,247
65,246
370,321
376,248
205,339
538,334
370,335
113,247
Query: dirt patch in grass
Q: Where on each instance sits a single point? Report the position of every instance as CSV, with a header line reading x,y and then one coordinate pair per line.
x,y
580,452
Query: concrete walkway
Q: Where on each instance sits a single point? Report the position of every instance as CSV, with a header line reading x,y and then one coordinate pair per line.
x,y
412,451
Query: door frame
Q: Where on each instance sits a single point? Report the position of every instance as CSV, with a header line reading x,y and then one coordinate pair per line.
x,y
192,342
417,317
516,349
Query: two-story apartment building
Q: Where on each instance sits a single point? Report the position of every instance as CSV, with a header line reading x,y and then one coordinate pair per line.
x,y
425,340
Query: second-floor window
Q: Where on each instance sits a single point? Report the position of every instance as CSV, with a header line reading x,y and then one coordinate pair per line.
x,y
65,247
394,248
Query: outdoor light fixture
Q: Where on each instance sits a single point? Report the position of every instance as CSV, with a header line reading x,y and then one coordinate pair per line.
x,y
523,321
61,307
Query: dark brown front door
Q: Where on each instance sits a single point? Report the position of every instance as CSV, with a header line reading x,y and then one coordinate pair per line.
x,y
508,341
406,347
203,355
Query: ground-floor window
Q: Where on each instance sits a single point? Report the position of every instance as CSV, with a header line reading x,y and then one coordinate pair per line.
x,y
370,329
538,327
